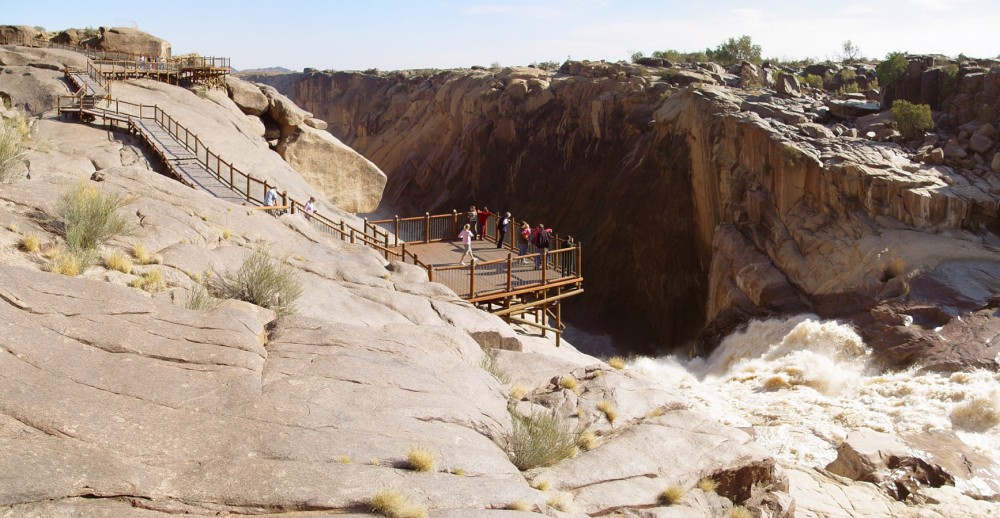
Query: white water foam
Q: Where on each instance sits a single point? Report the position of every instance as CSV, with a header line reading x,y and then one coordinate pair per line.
x,y
804,384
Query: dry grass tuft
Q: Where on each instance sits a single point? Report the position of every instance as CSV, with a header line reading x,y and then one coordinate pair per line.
x,y
151,281
13,228
15,133
519,505
489,364
67,263
542,485
29,244
609,410
420,458
671,495
393,504
740,512
617,362
517,392
226,233
708,485
141,254
200,299
344,459
570,383
562,502
118,261
588,441
458,472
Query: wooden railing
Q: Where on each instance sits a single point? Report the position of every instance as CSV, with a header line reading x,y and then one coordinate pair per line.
x,y
136,61
484,280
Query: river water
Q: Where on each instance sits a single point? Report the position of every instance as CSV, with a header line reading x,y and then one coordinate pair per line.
x,y
803,384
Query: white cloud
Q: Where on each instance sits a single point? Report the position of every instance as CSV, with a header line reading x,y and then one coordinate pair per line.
x,y
938,5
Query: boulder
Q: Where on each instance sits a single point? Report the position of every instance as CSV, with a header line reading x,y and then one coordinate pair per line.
x,y
283,110
343,176
19,33
788,86
313,122
132,41
687,77
935,156
247,96
852,109
980,143
995,165
952,149
874,122
883,459
815,130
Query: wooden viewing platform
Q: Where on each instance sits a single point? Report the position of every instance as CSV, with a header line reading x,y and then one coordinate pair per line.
x,y
499,281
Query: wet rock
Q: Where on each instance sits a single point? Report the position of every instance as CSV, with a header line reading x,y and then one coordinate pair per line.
x,y
884,460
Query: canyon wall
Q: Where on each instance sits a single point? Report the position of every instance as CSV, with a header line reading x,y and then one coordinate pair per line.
x,y
700,206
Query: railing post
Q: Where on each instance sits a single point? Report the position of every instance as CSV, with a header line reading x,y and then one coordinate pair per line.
x,y
265,191
342,231
231,176
352,236
510,267
396,233
248,187
579,259
472,277
403,252
545,265
366,226
430,269
427,227
284,198
454,223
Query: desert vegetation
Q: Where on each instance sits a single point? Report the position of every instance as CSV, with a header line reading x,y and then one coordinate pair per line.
x,y
393,504
671,495
541,439
89,218
15,134
263,280
912,120
420,458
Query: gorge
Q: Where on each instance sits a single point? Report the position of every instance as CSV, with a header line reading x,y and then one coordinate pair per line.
x,y
702,205
718,207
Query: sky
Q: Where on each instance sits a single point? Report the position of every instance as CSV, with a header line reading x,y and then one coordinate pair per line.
x,y
394,35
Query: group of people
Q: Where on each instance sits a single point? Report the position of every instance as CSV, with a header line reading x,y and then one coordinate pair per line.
x,y
476,229
271,200
152,63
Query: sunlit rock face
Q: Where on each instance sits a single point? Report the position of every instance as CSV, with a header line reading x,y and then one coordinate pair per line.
x,y
699,205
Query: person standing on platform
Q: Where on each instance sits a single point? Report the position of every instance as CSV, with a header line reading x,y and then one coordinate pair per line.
x,y
483,217
523,239
502,225
541,243
472,217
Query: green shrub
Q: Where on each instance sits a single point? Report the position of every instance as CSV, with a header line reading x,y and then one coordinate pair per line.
x,y
848,88
892,69
912,120
541,439
734,51
262,280
14,136
90,218
813,80
949,79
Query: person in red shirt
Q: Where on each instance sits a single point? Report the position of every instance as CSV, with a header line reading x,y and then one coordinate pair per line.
x,y
484,216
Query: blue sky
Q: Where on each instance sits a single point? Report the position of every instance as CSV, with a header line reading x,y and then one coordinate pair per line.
x,y
449,33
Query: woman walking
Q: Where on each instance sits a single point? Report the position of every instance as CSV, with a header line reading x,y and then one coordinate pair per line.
x,y
522,241
466,236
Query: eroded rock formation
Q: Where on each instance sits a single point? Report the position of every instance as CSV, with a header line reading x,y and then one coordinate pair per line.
x,y
647,171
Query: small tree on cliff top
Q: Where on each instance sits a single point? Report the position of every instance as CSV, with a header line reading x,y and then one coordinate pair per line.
x,y
736,50
892,69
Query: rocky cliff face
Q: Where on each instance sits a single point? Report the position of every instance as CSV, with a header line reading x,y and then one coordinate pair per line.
x,y
699,206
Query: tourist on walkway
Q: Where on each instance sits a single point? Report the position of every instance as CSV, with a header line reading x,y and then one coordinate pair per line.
x,y
523,239
484,216
466,236
310,207
541,243
473,218
502,225
271,197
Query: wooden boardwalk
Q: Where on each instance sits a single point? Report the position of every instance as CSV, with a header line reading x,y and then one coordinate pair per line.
x,y
488,278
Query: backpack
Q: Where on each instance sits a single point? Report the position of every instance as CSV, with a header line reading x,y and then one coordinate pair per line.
x,y
542,241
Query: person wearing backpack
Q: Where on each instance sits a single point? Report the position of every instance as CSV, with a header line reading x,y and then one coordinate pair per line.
x,y
541,243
